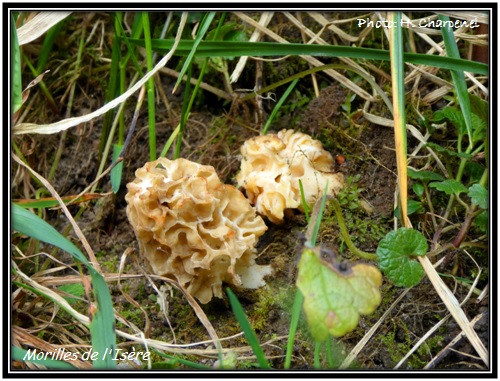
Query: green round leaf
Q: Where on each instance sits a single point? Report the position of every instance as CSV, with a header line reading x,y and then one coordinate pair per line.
x,y
481,221
419,189
479,195
449,186
394,256
424,175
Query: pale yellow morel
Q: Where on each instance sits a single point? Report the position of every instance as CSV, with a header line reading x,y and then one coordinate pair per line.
x,y
272,166
195,229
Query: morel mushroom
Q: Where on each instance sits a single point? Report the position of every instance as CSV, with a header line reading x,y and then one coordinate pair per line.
x,y
272,166
195,229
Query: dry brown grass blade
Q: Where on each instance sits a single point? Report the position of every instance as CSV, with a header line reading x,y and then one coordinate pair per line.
x,y
319,18
313,61
32,128
38,25
63,303
22,338
440,323
41,284
451,344
439,47
412,129
69,199
480,17
453,306
73,223
265,19
315,38
194,80
147,322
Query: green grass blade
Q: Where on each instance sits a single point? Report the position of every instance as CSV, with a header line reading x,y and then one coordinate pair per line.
x,y
262,49
30,224
329,354
294,322
458,76
102,327
306,207
398,99
186,105
173,360
20,354
207,20
150,86
137,29
49,202
170,140
17,89
44,295
446,63
316,218
113,83
48,43
116,172
41,204
278,105
184,113
247,330
317,352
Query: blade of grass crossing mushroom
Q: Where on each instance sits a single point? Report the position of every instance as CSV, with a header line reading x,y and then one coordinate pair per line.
x,y
315,220
314,223
398,99
303,201
457,75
